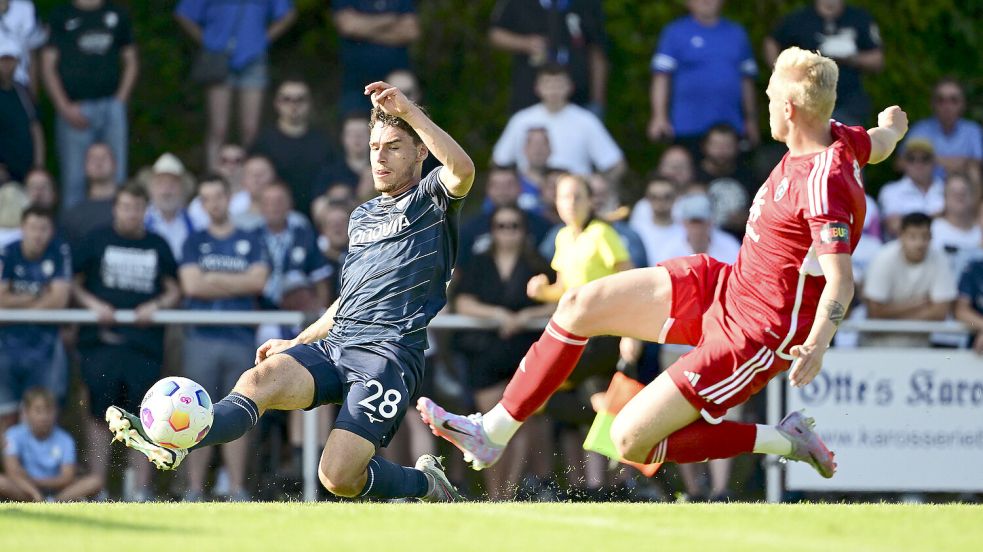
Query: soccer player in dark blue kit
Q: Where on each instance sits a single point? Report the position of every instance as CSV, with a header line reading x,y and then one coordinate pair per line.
x,y
366,351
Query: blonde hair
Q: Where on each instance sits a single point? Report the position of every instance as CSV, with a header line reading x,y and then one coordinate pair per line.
x,y
808,80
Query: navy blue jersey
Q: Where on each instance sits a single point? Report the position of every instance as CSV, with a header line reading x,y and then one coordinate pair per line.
x,y
29,277
401,253
235,254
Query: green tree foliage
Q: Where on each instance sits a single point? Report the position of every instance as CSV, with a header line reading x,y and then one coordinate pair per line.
x,y
467,84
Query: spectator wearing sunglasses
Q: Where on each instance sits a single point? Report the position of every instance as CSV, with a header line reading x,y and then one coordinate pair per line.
x,y
958,142
918,191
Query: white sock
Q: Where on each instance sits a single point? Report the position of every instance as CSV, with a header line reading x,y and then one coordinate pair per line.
x,y
771,441
499,425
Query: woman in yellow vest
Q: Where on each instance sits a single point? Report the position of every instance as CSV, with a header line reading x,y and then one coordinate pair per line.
x,y
587,248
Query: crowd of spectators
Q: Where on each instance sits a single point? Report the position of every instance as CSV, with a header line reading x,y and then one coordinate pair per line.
x,y
265,224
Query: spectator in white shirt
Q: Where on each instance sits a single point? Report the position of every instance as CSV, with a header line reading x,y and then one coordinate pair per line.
x,y
701,236
957,231
908,280
579,142
919,191
166,215
651,219
19,24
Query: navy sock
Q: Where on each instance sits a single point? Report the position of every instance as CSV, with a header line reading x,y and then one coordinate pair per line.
x,y
388,480
234,416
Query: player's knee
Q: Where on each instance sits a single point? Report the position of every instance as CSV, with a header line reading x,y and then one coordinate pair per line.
x,y
256,378
575,305
626,441
337,481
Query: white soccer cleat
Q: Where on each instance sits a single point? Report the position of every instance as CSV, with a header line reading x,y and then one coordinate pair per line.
x,y
806,445
126,428
464,432
442,489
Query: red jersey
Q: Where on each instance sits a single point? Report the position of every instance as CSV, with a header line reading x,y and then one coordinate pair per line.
x,y
810,205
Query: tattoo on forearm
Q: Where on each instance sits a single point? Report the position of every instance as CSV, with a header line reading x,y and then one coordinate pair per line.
x,y
836,312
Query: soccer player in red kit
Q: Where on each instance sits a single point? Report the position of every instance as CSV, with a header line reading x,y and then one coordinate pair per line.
x,y
775,309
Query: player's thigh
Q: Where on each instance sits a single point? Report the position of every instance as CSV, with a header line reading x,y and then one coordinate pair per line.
x,y
280,382
633,303
659,410
381,384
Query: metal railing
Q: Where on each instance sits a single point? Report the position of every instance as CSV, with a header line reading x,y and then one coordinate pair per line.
x,y
773,391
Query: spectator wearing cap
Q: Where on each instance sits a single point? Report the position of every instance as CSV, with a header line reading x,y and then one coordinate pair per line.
x,y
958,142
918,191
908,280
703,73
701,236
166,214
21,136
19,24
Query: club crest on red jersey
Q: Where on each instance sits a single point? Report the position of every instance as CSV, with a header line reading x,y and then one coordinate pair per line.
x,y
781,189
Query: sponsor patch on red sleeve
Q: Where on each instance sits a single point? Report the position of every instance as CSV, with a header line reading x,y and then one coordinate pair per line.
x,y
834,232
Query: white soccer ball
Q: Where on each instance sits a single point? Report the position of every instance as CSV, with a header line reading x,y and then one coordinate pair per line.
x,y
176,413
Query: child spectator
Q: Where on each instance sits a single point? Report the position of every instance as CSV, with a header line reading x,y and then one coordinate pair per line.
x,y
39,457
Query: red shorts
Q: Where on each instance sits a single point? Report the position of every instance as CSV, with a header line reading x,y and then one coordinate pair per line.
x,y
727,366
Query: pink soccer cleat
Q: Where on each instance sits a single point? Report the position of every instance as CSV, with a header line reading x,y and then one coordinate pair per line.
x,y
806,444
464,432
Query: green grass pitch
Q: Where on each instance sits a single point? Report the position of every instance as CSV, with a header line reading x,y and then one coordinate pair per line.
x,y
299,527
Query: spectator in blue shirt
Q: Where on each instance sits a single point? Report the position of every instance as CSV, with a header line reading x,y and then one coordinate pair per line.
x,y
35,273
375,36
223,268
243,30
703,74
39,458
958,142
299,271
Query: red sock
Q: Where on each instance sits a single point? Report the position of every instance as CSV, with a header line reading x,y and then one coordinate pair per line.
x,y
700,441
545,367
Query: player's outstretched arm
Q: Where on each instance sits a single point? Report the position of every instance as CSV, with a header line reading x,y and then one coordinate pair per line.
x,y
892,124
833,302
457,173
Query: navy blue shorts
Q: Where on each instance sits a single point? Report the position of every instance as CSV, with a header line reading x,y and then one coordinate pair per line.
x,y
374,384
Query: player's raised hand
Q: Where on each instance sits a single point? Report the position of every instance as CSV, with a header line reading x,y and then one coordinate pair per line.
x,y
389,98
808,361
894,118
272,347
